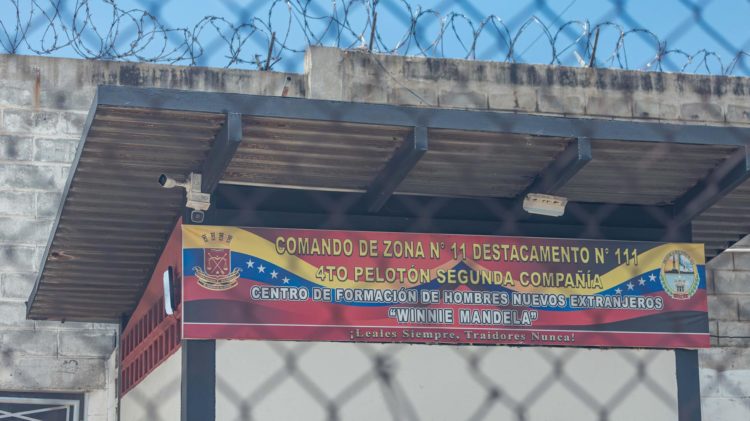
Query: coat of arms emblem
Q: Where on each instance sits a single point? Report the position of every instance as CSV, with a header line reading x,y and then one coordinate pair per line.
x,y
679,275
217,273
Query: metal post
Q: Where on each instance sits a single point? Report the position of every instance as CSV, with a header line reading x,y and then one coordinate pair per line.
x,y
198,397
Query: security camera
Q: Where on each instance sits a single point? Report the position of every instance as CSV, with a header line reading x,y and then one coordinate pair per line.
x,y
196,199
168,182
197,216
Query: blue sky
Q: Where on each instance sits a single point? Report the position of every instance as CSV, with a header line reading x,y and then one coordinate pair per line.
x,y
718,26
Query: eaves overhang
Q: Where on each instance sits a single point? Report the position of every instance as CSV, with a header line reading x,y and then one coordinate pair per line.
x,y
115,218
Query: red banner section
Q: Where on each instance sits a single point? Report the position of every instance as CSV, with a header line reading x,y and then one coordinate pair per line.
x,y
291,284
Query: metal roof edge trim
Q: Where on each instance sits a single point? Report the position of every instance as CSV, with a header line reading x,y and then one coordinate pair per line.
x,y
435,118
63,199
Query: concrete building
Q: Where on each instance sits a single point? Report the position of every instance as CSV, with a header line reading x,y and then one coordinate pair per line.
x,y
43,109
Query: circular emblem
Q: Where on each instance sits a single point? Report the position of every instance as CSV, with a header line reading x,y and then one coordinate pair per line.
x,y
679,275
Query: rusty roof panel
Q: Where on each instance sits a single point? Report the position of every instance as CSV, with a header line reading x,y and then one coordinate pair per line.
x,y
726,222
116,217
643,173
460,163
311,154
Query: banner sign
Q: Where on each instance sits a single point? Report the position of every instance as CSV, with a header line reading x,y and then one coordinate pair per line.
x,y
314,285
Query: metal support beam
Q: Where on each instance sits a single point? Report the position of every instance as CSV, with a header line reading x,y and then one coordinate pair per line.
x,y
222,151
306,220
198,388
721,181
434,118
396,169
688,385
562,169
248,200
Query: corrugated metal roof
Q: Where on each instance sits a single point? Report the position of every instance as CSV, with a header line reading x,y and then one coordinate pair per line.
x,y
725,223
481,164
311,154
116,218
642,173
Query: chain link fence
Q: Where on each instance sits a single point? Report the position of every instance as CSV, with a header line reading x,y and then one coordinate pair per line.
x,y
283,380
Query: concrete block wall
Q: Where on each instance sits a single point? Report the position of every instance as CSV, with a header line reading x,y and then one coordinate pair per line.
x,y
38,140
729,299
725,369
43,105
538,89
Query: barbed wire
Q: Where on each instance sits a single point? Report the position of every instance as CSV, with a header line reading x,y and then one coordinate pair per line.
x,y
101,29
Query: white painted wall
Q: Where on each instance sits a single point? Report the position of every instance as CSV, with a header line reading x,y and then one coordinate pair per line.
x,y
725,384
101,404
157,397
430,382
